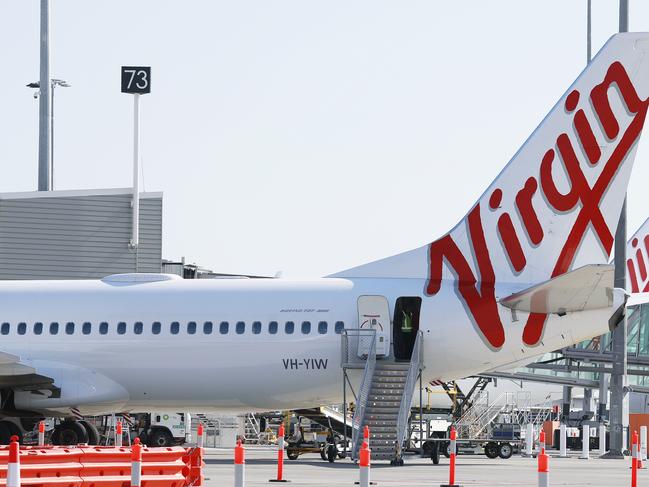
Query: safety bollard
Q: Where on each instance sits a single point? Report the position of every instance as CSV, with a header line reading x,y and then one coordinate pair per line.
x,y
585,442
41,433
280,456
529,439
542,442
13,466
364,463
239,465
199,435
634,460
642,457
543,469
136,463
602,439
453,452
563,446
366,435
118,434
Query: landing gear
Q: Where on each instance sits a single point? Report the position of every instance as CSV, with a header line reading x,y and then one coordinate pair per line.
x,y
69,433
91,431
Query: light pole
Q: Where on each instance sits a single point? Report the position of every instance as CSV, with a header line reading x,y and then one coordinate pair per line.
x,y
53,83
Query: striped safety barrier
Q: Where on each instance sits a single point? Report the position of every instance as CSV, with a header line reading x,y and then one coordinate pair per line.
x,y
239,465
280,455
453,453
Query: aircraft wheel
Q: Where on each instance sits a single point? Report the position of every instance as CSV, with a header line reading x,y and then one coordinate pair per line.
x,y
91,431
491,450
505,451
69,433
5,433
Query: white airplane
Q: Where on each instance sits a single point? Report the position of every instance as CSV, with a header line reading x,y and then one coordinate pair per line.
x,y
524,273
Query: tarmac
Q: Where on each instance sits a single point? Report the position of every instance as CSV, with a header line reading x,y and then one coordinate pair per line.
x,y
472,470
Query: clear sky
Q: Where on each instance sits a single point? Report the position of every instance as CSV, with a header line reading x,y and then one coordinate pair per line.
x,y
303,136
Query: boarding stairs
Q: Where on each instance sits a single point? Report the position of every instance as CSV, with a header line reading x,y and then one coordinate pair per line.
x,y
477,421
383,402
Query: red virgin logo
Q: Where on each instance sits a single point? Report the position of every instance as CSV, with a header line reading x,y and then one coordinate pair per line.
x,y
637,266
477,293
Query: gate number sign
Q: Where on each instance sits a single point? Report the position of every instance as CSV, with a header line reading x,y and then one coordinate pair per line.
x,y
136,79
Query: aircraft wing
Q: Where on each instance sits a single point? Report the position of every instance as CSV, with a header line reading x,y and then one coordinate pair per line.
x,y
588,287
20,376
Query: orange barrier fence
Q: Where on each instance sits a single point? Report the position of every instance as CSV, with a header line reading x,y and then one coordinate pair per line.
x,y
104,466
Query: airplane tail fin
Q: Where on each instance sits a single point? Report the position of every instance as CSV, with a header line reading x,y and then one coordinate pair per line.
x,y
556,204
637,260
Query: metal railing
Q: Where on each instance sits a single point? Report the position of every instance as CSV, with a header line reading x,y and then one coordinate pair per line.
x,y
416,365
355,347
366,382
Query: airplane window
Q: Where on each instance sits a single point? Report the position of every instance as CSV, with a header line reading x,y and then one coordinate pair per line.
x,y
191,327
103,328
121,328
322,327
339,327
272,327
156,327
223,328
289,327
207,328
38,328
22,328
241,327
54,328
175,328
86,328
306,327
138,327
69,328
5,329
256,327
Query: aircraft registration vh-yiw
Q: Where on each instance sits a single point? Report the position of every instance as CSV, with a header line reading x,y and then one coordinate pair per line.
x,y
525,272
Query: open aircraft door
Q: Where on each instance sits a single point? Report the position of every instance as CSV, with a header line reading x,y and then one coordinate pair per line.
x,y
374,314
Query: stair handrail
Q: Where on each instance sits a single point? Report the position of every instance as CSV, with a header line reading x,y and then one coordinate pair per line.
x,y
416,366
363,394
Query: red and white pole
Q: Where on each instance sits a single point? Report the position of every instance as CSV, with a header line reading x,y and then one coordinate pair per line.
x,y
634,460
364,463
280,455
136,463
543,468
542,442
239,465
366,435
453,452
13,467
118,433
41,433
199,434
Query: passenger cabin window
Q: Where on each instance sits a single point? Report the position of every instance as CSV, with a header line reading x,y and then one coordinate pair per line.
x,y
256,327
191,327
22,328
322,327
272,327
103,328
69,328
175,328
54,328
306,327
240,328
121,328
38,328
339,327
138,327
156,327
5,328
207,328
223,327
86,328
289,327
